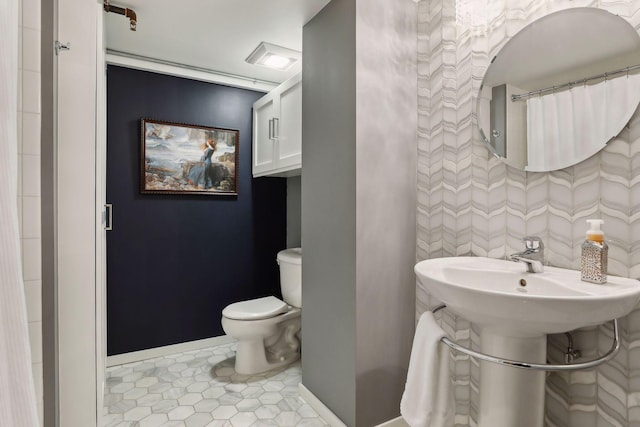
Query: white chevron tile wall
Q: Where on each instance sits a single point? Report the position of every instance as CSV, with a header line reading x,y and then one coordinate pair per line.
x,y
470,203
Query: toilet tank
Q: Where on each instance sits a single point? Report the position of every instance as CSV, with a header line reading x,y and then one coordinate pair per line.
x,y
290,262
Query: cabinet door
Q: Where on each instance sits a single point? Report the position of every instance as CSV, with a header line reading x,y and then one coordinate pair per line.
x,y
289,125
264,111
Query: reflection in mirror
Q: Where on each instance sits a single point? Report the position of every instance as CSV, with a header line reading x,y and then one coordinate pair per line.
x,y
560,89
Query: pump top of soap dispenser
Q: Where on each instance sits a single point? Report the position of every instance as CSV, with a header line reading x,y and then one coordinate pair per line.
x,y
595,234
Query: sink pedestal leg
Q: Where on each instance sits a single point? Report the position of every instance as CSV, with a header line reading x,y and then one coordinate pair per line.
x,y
510,396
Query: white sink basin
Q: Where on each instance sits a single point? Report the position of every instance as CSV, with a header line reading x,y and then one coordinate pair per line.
x,y
501,295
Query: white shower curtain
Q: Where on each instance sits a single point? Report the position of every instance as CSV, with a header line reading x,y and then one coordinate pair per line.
x,y
571,125
17,392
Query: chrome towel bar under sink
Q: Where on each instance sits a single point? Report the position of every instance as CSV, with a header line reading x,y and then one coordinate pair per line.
x,y
537,366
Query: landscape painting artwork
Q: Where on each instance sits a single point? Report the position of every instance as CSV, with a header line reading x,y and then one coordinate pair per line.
x,y
188,159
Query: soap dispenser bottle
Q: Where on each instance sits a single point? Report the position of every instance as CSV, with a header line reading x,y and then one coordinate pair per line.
x,y
594,254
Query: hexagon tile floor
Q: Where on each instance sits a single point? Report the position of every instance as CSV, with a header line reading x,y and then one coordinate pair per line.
x,y
201,389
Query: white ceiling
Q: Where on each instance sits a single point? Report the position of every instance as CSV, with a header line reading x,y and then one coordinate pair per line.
x,y
213,34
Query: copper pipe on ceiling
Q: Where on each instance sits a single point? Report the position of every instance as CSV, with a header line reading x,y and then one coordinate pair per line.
x,y
129,13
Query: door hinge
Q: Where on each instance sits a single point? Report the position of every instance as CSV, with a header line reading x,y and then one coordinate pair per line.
x,y
59,46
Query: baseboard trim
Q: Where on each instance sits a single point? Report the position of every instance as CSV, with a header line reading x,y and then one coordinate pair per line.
x,y
136,356
395,422
322,410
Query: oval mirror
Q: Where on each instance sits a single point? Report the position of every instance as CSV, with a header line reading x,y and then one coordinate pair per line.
x,y
560,89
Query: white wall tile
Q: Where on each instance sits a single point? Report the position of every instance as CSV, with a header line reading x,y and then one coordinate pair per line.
x,y
20,7
30,49
30,127
19,205
20,79
30,175
19,131
31,222
30,91
33,294
31,14
32,259
19,183
20,44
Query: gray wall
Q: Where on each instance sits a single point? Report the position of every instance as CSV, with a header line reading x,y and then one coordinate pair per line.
x,y
329,207
358,205
386,150
294,211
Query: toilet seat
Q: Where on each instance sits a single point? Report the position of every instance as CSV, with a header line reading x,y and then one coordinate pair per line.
x,y
255,309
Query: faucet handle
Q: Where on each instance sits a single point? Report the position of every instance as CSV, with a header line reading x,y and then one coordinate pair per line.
x,y
533,242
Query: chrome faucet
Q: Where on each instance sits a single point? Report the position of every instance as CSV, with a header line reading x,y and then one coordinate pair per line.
x,y
532,256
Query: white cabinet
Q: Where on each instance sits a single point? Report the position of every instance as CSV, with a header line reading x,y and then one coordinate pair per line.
x,y
277,130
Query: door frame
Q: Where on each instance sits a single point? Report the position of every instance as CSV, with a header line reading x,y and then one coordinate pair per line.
x,y
79,243
78,200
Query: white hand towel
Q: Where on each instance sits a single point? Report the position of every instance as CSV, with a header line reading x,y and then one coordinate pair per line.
x,y
427,400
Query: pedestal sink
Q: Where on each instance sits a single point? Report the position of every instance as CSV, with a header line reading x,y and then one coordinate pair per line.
x,y
515,310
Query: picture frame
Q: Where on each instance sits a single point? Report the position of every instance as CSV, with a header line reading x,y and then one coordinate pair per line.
x,y
178,158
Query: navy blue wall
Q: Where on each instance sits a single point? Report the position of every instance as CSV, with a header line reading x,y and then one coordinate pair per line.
x,y
174,262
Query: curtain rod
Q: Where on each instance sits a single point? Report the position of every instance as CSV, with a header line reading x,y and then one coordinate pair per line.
x,y
570,84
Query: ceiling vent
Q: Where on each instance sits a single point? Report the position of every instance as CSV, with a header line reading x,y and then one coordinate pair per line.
x,y
272,56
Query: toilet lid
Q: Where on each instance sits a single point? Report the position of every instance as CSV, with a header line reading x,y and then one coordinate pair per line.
x,y
255,309
292,256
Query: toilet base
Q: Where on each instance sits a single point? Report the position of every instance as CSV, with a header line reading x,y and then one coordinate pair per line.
x,y
266,344
251,358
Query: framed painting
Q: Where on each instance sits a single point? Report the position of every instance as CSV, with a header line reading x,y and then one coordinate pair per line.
x,y
179,158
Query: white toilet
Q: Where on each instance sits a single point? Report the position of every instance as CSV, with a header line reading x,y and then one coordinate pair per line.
x,y
268,329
